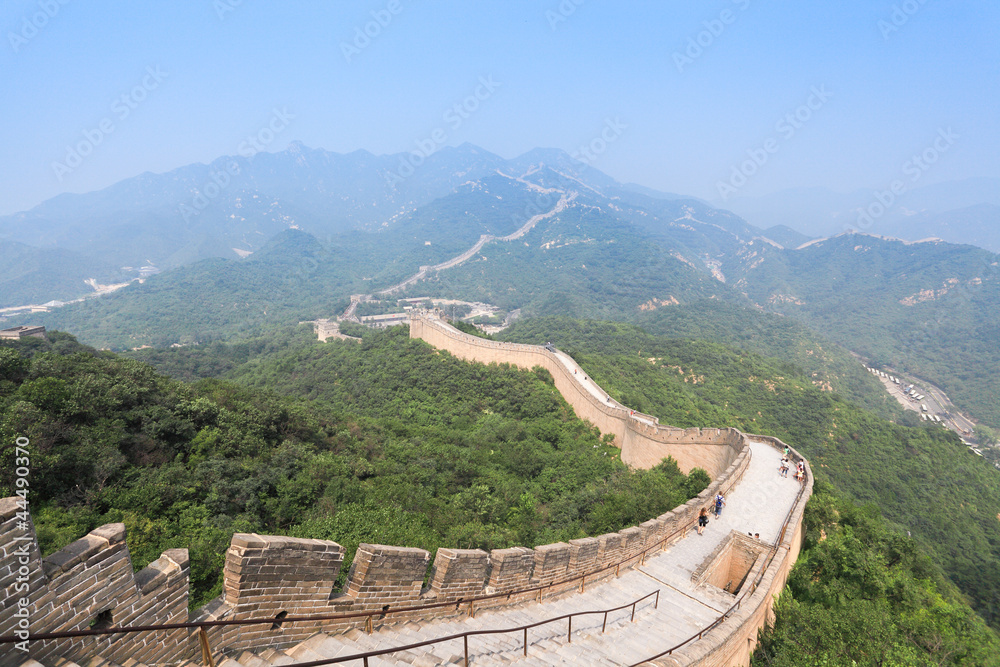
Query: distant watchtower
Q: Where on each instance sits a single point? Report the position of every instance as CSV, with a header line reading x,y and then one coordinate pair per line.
x,y
23,332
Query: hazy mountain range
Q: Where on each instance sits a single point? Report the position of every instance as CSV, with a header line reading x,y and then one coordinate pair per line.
x,y
231,207
292,235
966,211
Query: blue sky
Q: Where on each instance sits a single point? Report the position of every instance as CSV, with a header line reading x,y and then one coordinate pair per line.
x,y
200,76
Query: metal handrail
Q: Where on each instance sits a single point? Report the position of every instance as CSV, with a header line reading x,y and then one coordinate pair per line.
x,y
199,625
465,635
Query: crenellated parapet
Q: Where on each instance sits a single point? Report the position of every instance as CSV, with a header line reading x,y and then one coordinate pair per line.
x,y
89,583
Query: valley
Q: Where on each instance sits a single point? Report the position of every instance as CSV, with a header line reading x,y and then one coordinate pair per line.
x,y
925,399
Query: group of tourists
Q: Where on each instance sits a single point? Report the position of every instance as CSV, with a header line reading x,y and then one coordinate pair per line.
x,y
785,465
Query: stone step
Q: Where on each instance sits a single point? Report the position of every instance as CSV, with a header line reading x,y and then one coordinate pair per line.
x,y
63,662
276,657
248,659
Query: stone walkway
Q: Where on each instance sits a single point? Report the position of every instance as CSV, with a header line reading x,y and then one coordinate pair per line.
x,y
758,504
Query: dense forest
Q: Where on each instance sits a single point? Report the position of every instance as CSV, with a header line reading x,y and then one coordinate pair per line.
x,y
431,451
862,594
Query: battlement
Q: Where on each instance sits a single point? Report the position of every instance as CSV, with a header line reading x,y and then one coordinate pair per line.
x,y
91,582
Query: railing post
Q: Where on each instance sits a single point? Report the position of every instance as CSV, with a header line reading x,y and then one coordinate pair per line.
x,y
569,635
206,649
368,625
656,604
526,642
466,640
633,613
366,660
605,623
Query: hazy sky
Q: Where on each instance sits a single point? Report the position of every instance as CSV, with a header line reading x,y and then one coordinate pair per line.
x,y
692,86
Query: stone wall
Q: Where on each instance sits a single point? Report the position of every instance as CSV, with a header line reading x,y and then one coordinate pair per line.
x,y
727,567
731,642
643,440
268,577
91,581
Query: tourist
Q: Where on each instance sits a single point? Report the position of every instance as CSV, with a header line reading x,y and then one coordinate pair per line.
x,y
720,502
702,520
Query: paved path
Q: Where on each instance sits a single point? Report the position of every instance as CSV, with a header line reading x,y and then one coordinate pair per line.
x,y
758,504
593,388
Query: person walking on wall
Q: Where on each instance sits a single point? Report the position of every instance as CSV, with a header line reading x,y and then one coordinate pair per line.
x,y
702,520
720,502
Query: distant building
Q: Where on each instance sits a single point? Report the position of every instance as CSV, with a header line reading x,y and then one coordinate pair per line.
x,y
387,320
23,332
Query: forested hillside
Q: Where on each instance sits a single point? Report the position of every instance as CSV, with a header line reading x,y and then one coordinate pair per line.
x,y
862,594
582,263
828,365
926,308
920,476
431,452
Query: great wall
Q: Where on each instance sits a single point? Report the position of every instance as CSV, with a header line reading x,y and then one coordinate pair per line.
x,y
713,592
